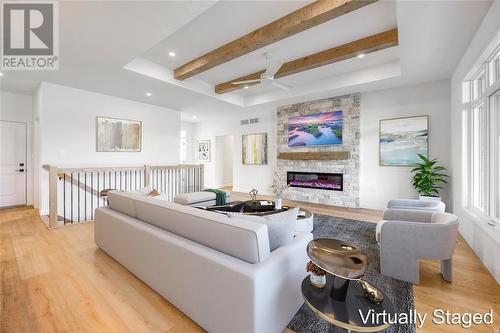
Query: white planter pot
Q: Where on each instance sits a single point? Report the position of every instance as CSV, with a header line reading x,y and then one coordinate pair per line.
x,y
319,281
278,203
426,198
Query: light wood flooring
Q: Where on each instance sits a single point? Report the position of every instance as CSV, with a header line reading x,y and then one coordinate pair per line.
x,y
59,281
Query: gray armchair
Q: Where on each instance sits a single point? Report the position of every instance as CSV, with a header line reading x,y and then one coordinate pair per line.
x,y
436,206
405,236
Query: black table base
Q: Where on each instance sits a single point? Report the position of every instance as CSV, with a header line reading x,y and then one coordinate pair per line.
x,y
339,288
341,302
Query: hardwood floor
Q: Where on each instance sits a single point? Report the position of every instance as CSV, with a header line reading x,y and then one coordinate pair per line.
x,y
59,281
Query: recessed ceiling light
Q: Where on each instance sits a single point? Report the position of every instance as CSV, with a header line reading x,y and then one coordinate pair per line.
x,y
1,74
361,55
172,54
148,94
245,87
194,117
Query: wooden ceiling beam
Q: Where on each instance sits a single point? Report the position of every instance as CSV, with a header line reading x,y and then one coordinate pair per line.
x,y
350,50
302,19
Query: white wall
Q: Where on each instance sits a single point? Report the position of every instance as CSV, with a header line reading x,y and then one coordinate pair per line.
x,y
189,128
224,147
483,239
378,184
37,144
245,177
18,108
68,130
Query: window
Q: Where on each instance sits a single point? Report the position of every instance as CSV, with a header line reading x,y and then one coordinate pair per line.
x,y
478,85
494,68
482,98
477,158
494,103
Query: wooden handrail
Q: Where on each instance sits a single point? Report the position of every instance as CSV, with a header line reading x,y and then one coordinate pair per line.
x,y
123,168
175,167
74,181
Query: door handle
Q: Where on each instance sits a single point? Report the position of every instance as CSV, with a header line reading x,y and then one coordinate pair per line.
x,y
20,170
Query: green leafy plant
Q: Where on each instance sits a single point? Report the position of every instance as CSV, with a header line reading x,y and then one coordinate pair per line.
x,y
428,176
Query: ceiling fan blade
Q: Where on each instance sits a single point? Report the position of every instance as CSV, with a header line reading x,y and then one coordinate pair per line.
x,y
273,66
281,85
246,81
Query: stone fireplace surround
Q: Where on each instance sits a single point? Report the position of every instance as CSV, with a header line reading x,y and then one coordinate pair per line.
x,y
349,197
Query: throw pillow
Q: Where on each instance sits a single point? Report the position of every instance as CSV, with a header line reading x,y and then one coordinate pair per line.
x,y
280,226
153,193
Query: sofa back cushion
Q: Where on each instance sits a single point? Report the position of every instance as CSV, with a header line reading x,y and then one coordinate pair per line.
x,y
245,240
123,202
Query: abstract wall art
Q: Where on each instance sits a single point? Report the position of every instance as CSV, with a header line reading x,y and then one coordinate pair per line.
x,y
254,149
118,135
402,139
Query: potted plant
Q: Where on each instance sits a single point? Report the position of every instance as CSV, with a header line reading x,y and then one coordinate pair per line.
x,y
278,186
428,177
317,276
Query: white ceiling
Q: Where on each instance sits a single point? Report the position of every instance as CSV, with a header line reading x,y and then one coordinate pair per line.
x,y
99,38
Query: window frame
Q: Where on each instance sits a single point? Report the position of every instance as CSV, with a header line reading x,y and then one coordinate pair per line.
x,y
490,87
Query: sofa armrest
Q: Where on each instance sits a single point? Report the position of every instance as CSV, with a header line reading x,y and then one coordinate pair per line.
x,y
277,284
391,214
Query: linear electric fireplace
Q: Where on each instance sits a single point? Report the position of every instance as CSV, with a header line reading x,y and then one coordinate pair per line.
x,y
324,181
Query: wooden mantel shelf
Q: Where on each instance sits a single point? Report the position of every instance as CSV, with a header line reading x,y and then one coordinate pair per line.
x,y
330,155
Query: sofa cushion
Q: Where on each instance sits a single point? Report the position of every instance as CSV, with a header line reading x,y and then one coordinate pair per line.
x,y
123,202
245,240
192,198
280,226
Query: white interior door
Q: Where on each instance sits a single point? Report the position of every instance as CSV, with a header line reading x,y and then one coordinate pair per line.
x,y
12,163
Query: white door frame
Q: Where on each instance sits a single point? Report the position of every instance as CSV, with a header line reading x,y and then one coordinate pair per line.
x,y
26,171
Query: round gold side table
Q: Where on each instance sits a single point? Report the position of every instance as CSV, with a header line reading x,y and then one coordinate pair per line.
x,y
341,303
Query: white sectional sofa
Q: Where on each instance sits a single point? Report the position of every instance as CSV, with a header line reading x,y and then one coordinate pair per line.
x,y
217,270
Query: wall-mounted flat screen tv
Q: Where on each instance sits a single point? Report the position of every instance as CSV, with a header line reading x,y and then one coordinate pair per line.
x,y
318,129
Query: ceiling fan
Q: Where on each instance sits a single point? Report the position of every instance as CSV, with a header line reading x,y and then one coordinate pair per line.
x,y
273,65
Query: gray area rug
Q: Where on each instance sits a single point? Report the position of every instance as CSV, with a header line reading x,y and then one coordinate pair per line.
x,y
361,234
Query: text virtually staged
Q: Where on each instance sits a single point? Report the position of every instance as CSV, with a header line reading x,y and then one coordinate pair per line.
x,y
326,166
438,317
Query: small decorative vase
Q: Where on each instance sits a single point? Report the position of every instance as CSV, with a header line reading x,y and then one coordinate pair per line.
x,y
319,281
277,203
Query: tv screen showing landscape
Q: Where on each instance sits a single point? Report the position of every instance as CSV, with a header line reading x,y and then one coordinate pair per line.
x,y
319,129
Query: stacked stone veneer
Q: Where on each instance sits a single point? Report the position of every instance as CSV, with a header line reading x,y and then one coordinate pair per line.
x,y
349,197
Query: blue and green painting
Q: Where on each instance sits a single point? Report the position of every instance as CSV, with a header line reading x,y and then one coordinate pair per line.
x,y
401,140
318,129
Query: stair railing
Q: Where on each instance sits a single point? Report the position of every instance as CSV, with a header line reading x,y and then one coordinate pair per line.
x,y
75,193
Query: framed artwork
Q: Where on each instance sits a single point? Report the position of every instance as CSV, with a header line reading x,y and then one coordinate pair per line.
x,y
254,149
203,150
401,139
318,129
118,135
